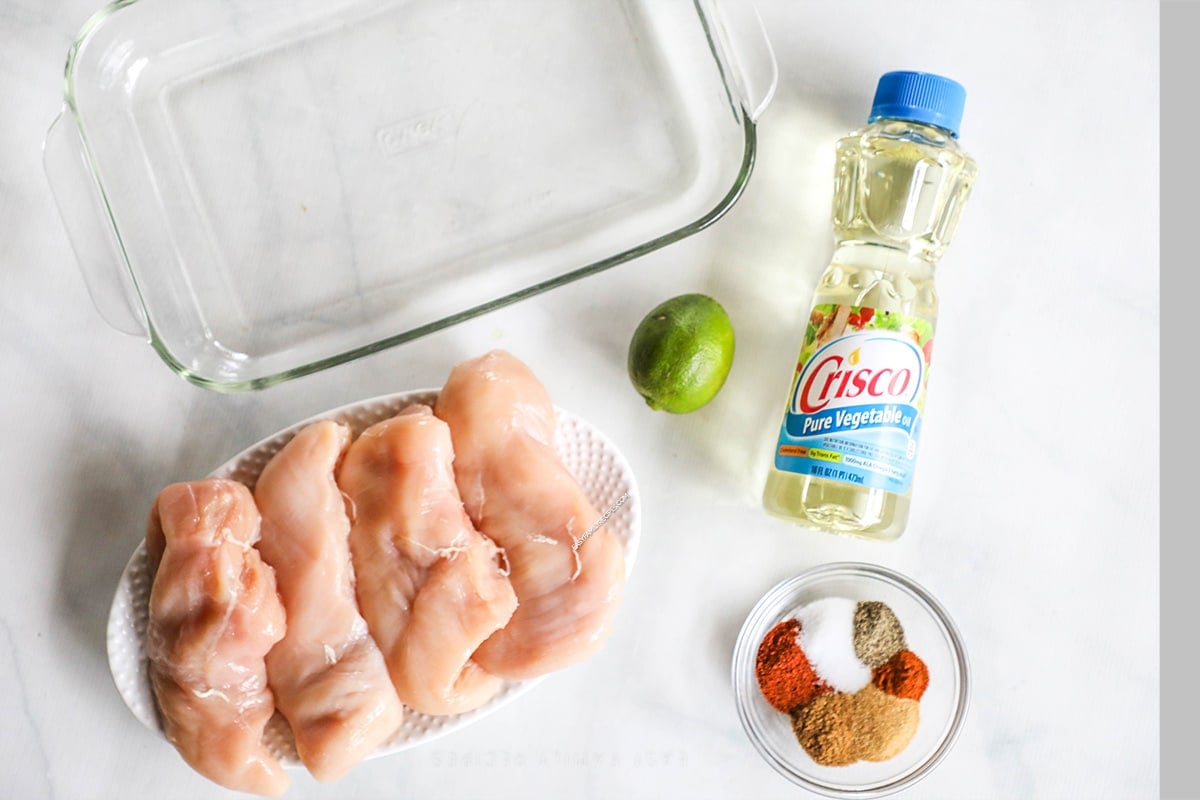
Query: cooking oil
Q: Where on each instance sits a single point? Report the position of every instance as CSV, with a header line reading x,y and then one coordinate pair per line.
x,y
848,443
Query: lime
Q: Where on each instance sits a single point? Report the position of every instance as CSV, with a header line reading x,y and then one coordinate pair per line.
x,y
681,352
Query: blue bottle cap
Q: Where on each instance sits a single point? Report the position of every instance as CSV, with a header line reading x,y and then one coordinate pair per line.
x,y
920,97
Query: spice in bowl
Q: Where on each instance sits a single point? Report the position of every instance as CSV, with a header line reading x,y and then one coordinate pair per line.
x,y
785,676
843,671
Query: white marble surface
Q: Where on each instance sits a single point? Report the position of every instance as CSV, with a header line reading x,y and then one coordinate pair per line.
x,y
1035,518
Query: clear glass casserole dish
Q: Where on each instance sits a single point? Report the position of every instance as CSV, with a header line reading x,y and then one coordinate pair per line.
x,y
265,189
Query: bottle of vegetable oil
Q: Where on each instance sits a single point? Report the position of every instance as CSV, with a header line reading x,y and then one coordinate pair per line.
x,y
848,444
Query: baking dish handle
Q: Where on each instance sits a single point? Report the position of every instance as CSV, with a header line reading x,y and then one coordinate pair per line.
x,y
748,48
85,217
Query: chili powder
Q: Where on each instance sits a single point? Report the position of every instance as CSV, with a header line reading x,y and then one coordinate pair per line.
x,y
904,676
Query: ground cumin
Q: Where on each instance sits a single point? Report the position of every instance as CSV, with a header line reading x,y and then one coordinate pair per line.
x,y
785,675
883,724
870,725
904,676
825,729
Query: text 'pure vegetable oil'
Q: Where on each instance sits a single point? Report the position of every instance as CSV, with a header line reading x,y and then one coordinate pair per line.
x,y
848,444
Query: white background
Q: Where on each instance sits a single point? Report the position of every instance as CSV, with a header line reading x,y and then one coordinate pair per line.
x,y
1035,519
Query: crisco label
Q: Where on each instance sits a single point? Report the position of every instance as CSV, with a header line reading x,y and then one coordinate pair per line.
x,y
855,408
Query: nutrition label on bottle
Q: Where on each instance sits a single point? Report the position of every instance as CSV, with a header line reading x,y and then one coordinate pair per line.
x,y
855,408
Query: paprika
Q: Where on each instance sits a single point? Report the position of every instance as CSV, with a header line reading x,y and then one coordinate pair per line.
x,y
785,676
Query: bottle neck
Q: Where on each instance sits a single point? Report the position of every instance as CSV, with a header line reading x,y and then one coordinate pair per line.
x,y
934,134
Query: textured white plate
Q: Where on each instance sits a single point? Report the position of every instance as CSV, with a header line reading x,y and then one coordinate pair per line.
x,y
594,461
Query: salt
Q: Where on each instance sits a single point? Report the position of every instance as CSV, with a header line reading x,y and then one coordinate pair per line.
x,y
827,639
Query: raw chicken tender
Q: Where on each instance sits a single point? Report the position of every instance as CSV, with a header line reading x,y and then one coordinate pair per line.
x,y
329,678
431,587
214,614
517,491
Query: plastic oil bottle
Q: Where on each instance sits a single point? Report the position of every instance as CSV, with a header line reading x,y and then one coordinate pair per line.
x,y
848,443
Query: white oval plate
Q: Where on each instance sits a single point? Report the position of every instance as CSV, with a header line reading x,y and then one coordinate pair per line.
x,y
601,470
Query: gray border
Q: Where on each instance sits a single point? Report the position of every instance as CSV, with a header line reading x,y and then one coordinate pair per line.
x,y
1179,705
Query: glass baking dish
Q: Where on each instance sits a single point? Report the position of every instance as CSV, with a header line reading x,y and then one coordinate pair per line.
x,y
265,189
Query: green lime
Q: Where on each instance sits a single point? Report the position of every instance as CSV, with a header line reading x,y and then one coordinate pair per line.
x,y
681,352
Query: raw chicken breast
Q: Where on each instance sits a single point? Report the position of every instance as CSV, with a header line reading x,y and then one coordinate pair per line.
x,y
431,587
329,677
214,614
517,491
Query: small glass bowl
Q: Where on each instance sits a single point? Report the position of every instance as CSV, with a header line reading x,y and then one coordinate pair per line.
x,y
929,633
